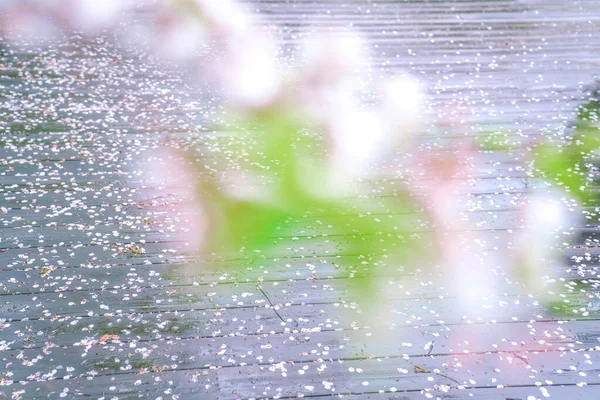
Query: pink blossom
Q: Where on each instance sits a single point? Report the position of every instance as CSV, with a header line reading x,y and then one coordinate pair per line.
x,y
545,217
248,72
168,170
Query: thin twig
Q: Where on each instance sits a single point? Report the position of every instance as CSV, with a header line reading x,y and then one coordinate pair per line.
x,y
271,303
521,358
431,347
447,377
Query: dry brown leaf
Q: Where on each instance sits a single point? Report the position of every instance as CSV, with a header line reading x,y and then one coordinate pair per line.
x,y
106,338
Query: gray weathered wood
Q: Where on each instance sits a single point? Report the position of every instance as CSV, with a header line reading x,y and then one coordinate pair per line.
x,y
519,66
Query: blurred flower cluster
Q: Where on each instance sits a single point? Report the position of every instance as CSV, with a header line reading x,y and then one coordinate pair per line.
x,y
310,141
37,19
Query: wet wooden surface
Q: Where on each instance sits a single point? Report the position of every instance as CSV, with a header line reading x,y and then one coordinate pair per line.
x,y
100,297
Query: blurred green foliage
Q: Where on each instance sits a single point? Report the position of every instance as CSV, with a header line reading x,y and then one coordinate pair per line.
x,y
291,161
567,163
495,140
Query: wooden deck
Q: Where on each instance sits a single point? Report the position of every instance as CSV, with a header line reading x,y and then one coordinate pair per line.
x,y
86,314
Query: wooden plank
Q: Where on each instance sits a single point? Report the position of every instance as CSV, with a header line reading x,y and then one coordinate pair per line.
x,y
489,56
147,385
405,306
514,341
322,378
